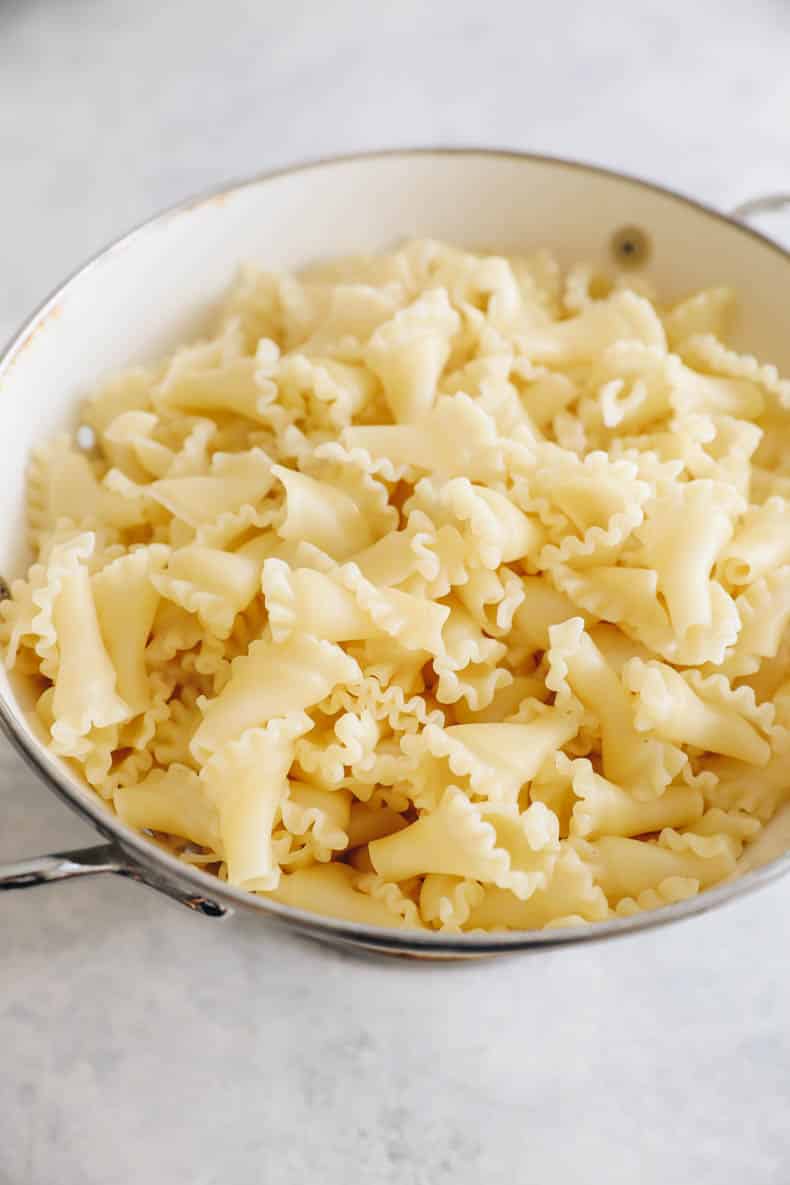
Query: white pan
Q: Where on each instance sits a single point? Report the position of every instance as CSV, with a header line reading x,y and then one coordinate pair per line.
x,y
152,289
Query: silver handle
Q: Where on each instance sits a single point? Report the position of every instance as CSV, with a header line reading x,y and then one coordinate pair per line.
x,y
60,866
107,857
767,203
750,212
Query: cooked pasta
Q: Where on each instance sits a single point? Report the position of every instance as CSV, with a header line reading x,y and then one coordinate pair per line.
x,y
434,590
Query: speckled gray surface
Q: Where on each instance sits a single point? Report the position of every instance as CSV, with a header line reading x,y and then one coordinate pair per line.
x,y
142,1044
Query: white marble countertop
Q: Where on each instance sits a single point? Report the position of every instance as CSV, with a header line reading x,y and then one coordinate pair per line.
x,y
144,1045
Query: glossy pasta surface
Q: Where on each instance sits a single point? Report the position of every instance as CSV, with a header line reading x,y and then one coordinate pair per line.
x,y
434,590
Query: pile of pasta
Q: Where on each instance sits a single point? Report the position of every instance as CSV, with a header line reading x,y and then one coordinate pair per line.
x,y
435,590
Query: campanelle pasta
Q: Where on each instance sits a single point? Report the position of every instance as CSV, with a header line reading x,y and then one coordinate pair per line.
x,y
433,590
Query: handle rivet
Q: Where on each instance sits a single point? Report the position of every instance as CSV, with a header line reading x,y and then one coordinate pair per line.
x,y
630,246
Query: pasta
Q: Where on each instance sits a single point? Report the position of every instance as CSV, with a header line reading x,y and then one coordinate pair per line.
x,y
433,590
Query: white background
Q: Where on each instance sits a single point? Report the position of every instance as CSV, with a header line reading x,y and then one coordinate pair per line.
x,y
141,1044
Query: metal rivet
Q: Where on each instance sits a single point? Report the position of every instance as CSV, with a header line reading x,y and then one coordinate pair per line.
x,y
209,909
630,246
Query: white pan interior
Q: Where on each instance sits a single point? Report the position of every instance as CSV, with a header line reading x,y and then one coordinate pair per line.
x,y
154,288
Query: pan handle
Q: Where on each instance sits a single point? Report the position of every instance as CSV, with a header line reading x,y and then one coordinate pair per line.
x,y
758,211
767,203
107,857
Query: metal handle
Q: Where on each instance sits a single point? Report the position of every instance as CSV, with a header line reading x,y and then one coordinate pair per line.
x,y
752,213
108,857
767,203
60,866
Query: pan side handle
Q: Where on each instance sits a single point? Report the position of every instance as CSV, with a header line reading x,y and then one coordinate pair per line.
x,y
93,861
